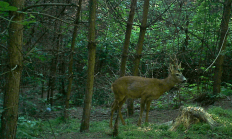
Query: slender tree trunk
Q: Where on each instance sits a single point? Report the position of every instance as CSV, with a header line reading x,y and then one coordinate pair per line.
x,y
127,38
141,38
222,46
42,88
186,35
91,64
62,71
11,96
53,70
70,68
130,105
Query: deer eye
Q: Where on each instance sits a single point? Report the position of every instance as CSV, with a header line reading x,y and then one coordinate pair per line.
x,y
177,74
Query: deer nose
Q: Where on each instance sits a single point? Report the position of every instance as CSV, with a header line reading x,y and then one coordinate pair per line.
x,y
184,80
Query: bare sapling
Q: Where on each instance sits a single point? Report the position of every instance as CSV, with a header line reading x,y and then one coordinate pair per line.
x,y
147,89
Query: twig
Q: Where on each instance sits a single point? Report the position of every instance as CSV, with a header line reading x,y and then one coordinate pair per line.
x,y
51,128
3,47
219,51
10,70
50,17
34,45
8,23
161,14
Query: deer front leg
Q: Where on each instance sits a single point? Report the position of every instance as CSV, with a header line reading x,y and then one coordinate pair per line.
x,y
148,103
142,104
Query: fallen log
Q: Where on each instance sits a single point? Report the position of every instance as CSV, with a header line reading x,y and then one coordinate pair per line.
x,y
192,115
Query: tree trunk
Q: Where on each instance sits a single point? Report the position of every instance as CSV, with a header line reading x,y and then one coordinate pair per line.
x,y
222,46
186,35
70,68
53,69
130,105
11,96
42,88
127,38
91,64
62,68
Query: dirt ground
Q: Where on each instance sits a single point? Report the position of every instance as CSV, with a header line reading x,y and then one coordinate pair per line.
x,y
156,115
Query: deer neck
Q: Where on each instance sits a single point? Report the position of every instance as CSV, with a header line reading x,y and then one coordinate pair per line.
x,y
169,82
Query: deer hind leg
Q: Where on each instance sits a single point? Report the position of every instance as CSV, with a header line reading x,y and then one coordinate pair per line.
x,y
142,104
148,103
113,108
117,105
120,108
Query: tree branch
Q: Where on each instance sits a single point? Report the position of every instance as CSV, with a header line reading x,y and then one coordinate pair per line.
x,y
161,14
10,70
3,47
49,4
52,17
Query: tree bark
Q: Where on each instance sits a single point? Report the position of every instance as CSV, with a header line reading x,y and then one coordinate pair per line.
x,y
141,38
127,38
91,64
53,70
62,68
70,68
186,35
130,105
11,96
222,46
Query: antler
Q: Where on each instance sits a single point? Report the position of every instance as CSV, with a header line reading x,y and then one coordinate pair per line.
x,y
174,61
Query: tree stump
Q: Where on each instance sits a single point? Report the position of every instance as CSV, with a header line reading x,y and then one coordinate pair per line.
x,y
192,115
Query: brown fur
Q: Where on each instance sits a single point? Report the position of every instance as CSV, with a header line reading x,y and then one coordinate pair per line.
x,y
145,88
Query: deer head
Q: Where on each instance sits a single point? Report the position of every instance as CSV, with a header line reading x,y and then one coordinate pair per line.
x,y
176,74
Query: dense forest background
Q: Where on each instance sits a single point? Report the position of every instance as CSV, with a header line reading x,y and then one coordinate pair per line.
x,y
56,45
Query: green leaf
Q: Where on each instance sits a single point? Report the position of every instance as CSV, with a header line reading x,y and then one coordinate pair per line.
x,y
12,8
4,6
32,16
28,22
202,68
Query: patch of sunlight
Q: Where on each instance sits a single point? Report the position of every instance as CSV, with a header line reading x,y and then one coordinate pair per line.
x,y
144,129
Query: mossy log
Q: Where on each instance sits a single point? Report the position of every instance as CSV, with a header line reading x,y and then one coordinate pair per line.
x,y
192,115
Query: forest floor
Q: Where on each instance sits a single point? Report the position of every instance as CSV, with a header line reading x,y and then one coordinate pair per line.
x,y
100,117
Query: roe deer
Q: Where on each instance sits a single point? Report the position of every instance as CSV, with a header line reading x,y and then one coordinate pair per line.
x,y
145,88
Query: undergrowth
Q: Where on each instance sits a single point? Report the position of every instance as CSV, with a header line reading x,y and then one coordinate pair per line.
x,y
57,128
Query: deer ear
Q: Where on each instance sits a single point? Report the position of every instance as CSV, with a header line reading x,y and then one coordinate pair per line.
x,y
170,68
179,66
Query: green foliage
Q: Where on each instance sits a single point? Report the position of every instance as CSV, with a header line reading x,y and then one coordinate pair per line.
x,y
159,104
226,89
28,128
4,6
